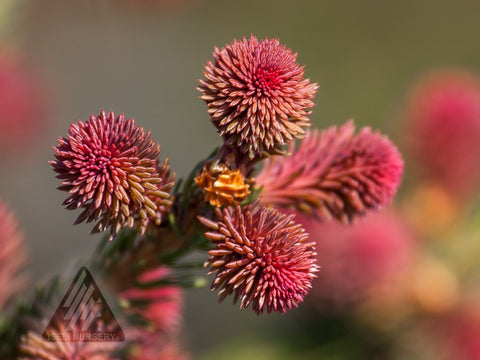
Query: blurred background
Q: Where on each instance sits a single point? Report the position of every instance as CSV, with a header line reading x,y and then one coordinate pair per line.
x,y
144,59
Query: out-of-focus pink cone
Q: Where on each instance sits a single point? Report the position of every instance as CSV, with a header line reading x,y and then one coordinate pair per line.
x,y
163,303
33,346
356,259
23,108
443,117
12,255
458,334
162,309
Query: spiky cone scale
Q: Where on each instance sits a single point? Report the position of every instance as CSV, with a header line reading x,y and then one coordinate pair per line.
x,y
110,168
257,96
163,206
334,174
221,185
261,256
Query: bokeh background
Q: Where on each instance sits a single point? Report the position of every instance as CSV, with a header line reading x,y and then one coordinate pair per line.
x,y
144,59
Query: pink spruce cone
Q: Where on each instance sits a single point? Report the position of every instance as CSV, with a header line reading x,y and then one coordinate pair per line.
x,y
22,104
458,333
142,344
164,304
34,346
154,347
261,256
443,117
334,174
162,308
110,168
372,254
256,95
12,255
